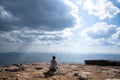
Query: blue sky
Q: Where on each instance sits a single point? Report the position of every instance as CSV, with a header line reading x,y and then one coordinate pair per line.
x,y
67,26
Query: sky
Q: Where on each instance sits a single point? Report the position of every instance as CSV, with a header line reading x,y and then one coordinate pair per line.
x,y
60,26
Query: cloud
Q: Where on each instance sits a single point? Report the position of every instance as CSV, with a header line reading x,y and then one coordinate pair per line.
x,y
115,39
118,0
100,30
101,34
7,16
54,25
38,14
101,8
40,22
116,36
74,12
39,37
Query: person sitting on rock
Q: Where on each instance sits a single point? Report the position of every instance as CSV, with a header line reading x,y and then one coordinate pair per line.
x,y
53,66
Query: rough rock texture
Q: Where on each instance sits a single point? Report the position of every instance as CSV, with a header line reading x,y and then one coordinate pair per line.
x,y
102,62
36,71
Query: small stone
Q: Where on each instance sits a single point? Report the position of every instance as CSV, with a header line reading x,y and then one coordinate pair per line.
x,y
5,78
76,74
39,68
37,76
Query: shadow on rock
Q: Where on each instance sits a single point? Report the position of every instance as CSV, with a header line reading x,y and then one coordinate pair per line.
x,y
49,73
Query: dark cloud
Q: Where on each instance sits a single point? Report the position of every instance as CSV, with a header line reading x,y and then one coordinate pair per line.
x,y
37,14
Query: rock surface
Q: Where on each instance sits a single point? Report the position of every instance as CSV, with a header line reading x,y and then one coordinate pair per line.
x,y
102,62
36,71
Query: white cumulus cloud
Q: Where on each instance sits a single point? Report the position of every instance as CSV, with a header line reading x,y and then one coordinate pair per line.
x,y
101,34
101,8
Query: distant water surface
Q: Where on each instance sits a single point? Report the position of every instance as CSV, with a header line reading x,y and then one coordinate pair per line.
x,y
17,58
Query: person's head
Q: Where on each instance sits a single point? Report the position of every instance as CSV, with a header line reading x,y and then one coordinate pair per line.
x,y
53,57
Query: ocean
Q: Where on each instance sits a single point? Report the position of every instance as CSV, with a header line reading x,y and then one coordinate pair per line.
x,y
18,58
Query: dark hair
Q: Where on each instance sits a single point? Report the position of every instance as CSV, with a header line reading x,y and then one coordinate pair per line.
x,y
53,57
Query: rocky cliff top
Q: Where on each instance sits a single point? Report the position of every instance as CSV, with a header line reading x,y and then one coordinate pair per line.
x,y
36,71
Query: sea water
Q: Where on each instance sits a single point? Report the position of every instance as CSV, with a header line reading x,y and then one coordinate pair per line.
x,y
18,58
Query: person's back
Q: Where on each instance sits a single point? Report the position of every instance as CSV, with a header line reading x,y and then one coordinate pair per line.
x,y
53,64
52,69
